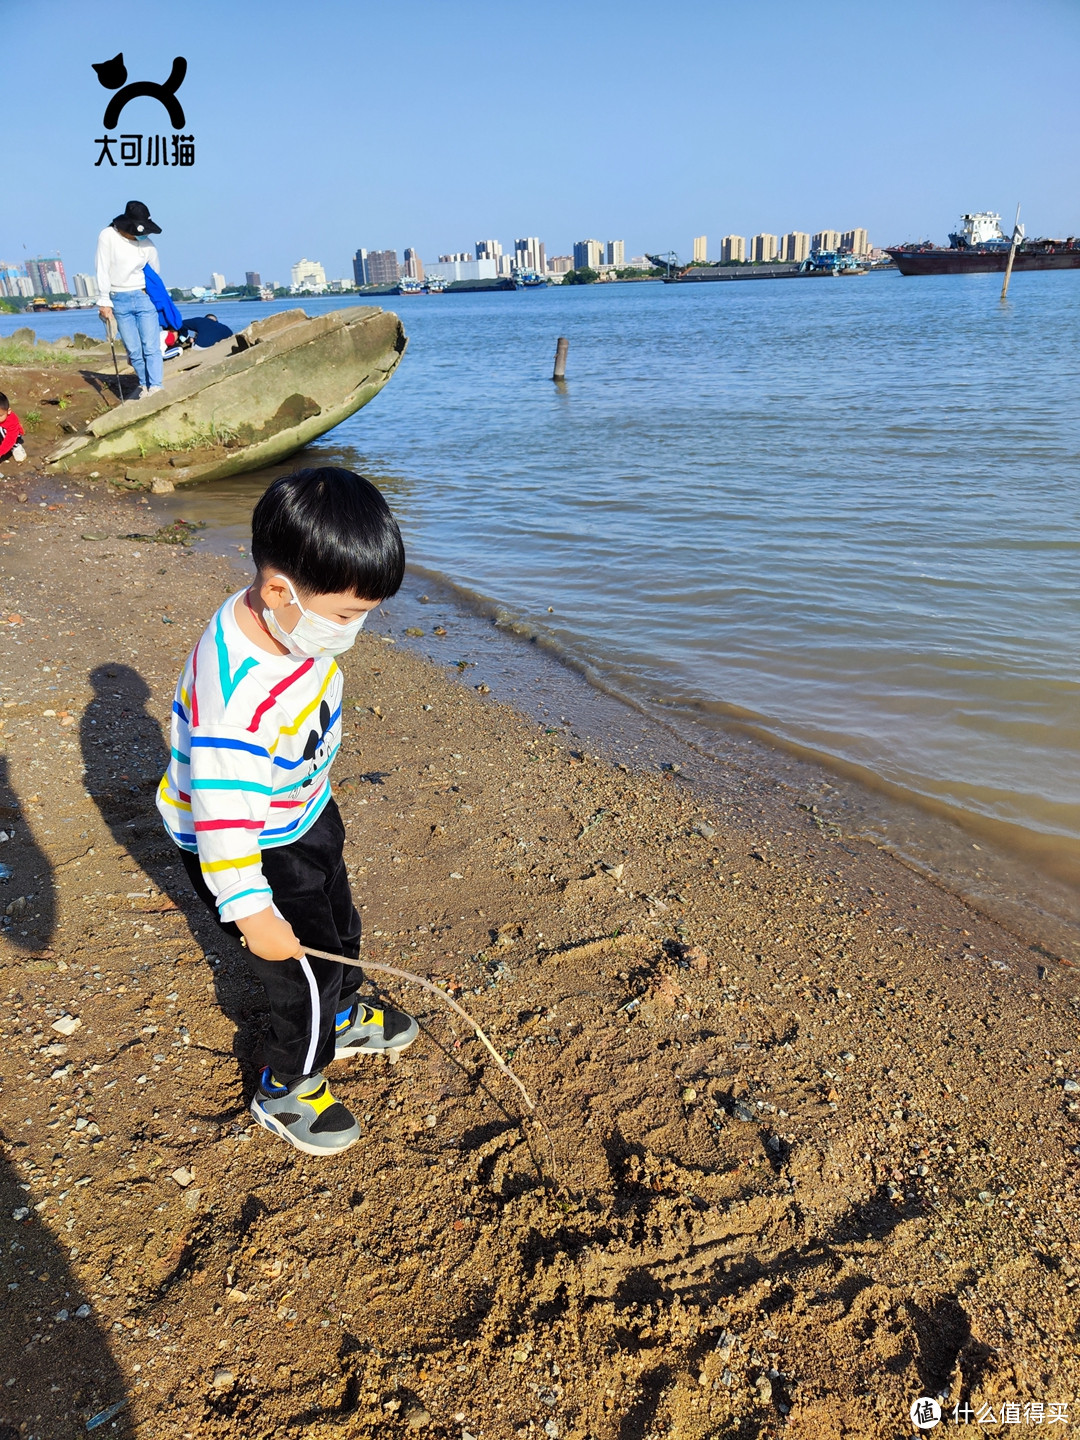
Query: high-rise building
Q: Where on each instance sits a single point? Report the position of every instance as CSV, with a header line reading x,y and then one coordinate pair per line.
x,y
795,246
488,250
616,253
47,276
701,249
827,240
560,264
217,282
306,275
15,281
414,266
588,255
253,278
529,254
855,241
85,286
359,268
382,267
732,249
763,248
458,257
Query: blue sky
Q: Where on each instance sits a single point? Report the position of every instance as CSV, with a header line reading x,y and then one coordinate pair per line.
x,y
434,124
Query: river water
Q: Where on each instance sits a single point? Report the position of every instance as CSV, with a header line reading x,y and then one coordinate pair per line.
x,y
842,513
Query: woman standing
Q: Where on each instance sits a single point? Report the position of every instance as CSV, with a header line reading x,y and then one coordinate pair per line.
x,y
123,248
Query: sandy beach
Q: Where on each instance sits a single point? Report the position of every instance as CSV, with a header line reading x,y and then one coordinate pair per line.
x,y
807,1132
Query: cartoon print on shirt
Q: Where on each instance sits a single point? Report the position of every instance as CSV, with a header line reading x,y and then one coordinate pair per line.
x,y
317,747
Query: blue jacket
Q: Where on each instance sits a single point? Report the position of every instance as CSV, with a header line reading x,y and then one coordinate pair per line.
x,y
168,314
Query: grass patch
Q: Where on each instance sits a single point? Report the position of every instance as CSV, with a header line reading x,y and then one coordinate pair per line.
x,y
210,437
14,353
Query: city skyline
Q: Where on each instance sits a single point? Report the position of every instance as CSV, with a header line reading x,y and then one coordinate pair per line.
x,y
656,98
45,275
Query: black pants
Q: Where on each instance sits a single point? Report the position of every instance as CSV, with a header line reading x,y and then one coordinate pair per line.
x,y
311,889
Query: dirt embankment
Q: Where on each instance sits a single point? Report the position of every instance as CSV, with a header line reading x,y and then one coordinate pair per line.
x,y
806,1142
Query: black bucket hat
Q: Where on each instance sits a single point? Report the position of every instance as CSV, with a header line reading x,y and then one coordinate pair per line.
x,y
136,220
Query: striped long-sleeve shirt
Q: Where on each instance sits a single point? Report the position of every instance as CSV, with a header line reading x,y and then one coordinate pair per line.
x,y
253,739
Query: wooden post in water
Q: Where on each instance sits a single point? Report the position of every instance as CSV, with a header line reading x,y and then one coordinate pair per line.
x,y
1012,253
560,358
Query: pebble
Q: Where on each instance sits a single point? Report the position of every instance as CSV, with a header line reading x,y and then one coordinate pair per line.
x,y
183,1177
689,1095
743,1112
763,1385
223,1379
986,1197
431,1121
1071,1087
847,1058
66,1025
417,1418
83,1312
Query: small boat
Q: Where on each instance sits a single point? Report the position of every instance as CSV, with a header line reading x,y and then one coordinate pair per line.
x,y
832,262
248,401
528,279
409,286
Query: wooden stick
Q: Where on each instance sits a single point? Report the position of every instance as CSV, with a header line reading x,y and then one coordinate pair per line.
x,y
1012,253
561,347
434,989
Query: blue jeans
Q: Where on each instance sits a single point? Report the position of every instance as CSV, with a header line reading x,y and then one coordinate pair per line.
x,y
140,329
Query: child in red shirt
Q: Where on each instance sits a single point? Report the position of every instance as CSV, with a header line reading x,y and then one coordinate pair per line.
x,y
11,433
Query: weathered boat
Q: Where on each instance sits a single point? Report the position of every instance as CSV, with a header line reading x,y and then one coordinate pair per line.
x,y
248,401
981,246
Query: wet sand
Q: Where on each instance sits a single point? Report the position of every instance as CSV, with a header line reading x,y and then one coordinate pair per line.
x,y
806,1140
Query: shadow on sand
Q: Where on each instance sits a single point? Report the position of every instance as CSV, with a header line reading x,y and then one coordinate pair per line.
x,y
124,755
56,1369
29,892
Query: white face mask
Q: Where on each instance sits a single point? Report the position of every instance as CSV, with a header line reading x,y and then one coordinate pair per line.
x,y
312,635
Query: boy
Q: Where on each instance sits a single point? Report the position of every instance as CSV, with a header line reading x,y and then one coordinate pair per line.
x,y
255,727
11,433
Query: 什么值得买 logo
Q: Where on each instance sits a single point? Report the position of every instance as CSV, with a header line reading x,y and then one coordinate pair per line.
x,y
139,149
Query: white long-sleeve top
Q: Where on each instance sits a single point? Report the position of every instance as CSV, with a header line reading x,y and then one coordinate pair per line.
x,y
253,739
119,262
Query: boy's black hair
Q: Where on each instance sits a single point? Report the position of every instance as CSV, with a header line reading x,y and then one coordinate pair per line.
x,y
4,403
330,531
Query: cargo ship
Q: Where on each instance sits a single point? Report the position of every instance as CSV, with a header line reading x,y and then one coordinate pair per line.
x,y
980,246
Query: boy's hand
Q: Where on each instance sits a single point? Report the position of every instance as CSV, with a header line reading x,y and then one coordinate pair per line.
x,y
270,937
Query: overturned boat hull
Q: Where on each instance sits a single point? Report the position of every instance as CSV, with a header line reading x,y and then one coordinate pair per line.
x,y
249,401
